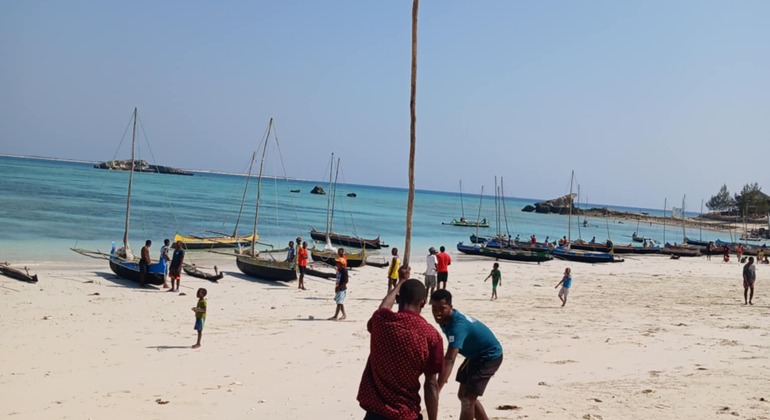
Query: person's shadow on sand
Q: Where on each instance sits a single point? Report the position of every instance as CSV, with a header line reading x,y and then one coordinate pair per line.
x,y
162,348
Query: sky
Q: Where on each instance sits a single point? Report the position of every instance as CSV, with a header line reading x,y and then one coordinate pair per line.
x,y
645,101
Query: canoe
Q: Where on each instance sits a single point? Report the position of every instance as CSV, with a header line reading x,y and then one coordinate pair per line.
x,y
192,270
505,254
209,242
681,250
482,224
355,259
266,269
630,249
585,256
129,270
346,240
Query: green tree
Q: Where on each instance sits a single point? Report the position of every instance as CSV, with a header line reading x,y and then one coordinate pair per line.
x,y
751,200
722,201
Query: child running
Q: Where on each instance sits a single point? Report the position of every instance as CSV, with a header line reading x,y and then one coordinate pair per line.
x,y
497,279
566,283
200,315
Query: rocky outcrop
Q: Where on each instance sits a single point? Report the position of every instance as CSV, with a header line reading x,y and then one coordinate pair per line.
x,y
559,205
318,190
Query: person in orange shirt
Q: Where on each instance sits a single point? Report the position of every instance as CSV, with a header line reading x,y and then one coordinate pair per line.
x,y
302,263
341,288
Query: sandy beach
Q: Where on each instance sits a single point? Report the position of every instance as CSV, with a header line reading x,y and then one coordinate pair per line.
x,y
648,338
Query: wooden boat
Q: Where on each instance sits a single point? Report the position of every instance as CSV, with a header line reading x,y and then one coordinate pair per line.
x,y
252,263
681,250
479,239
192,270
346,240
208,242
294,191
17,274
380,263
585,256
630,249
637,238
505,254
587,246
352,195
122,261
320,271
464,223
355,259
222,240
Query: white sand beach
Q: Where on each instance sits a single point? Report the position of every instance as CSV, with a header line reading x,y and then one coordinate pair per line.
x,y
648,338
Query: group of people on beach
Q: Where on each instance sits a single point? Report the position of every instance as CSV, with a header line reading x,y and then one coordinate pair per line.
x,y
172,271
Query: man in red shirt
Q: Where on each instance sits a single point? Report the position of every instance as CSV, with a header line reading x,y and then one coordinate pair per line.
x,y
442,268
403,347
301,263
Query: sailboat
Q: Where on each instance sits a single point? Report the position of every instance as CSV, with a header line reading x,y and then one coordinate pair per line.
x,y
251,263
566,253
467,223
328,255
122,260
221,240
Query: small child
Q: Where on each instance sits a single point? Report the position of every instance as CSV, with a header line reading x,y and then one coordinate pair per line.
x,y
200,315
566,283
496,279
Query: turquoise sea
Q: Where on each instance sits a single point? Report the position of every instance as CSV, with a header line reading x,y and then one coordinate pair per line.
x,y
48,206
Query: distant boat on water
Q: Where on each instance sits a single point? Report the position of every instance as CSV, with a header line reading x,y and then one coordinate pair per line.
x,y
140,166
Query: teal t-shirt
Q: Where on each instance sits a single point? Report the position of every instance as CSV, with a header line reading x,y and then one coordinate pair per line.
x,y
472,338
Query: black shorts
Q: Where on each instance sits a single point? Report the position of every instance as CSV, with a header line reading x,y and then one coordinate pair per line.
x,y
442,276
475,374
302,269
143,267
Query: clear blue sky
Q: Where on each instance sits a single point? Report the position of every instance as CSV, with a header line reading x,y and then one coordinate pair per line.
x,y
645,100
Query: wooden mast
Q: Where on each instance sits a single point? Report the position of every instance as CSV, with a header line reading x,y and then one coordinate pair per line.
x,y
259,189
130,185
412,137
245,191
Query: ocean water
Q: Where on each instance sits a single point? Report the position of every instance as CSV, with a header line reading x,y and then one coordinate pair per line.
x,y
48,206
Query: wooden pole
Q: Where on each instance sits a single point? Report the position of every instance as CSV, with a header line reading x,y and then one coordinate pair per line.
x,y
412,138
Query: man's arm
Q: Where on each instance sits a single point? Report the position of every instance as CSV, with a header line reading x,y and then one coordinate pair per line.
x,y
431,396
560,282
449,363
390,298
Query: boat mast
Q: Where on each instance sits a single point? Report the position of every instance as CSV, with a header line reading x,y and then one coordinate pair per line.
x,y
245,190
504,210
259,188
334,196
478,218
130,185
462,207
700,223
580,233
684,233
569,223
665,204
328,198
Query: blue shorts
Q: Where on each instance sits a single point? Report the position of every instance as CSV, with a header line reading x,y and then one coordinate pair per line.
x,y
199,324
339,297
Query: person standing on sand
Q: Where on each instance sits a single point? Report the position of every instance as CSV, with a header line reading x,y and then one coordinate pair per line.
x,y
175,271
144,262
302,264
200,315
341,287
291,254
749,276
481,349
430,272
739,252
442,267
709,250
164,259
566,283
726,253
496,279
403,347
395,263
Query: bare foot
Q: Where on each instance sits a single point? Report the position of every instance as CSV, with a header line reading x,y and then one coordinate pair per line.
x,y
334,318
750,303
345,317
195,346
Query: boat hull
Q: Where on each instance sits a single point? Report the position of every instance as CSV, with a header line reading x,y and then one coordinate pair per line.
x,y
585,256
354,259
194,272
505,254
266,269
129,270
345,240
209,242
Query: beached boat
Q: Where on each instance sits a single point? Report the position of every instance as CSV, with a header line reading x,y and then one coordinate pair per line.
x,y
323,271
681,250
221,240
14,273
566,253
346,240
328,256
630,249
588,246
122,261
193,271
252,263
505,254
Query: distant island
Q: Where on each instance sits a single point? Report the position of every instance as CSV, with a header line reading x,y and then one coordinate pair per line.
x,y
140,166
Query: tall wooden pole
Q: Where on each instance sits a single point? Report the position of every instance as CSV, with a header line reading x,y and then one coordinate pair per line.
x,y
412,138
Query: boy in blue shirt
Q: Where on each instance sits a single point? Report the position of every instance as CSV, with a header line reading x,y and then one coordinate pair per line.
x,y
472,339
566,283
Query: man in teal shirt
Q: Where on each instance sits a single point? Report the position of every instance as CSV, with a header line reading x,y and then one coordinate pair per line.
x,y
472,339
